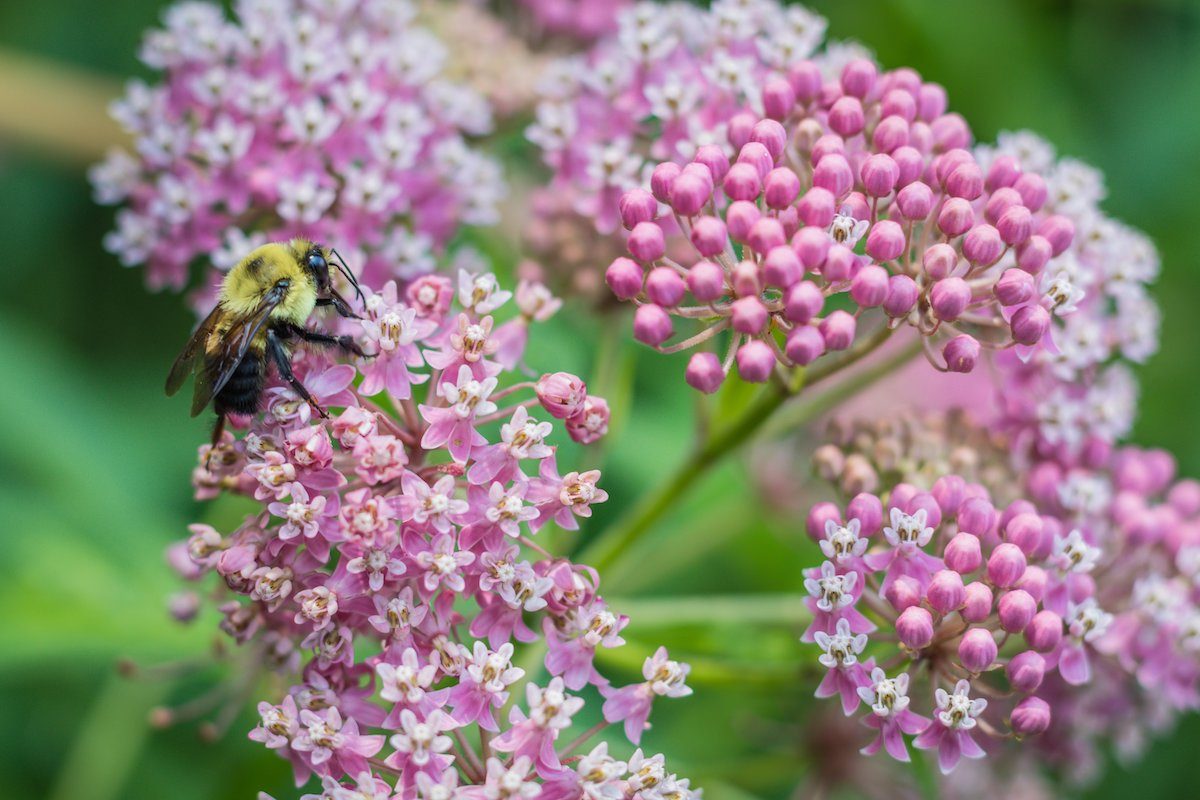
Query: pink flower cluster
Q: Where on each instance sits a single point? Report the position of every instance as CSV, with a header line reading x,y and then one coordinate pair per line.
x,y
963,623
1078,396
665,83
327,119
846,199
390,577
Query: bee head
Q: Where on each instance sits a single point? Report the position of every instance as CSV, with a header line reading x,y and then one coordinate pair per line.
x,y
317,261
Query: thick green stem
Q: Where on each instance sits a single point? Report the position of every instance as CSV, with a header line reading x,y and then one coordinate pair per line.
x,y
605,550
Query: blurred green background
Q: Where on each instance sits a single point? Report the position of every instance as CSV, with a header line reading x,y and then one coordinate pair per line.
x,y
94,461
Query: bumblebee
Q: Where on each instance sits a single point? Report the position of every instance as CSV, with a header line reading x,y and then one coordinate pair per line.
x,y
264,303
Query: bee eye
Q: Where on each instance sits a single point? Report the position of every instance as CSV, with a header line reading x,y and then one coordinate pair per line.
x,y
317,262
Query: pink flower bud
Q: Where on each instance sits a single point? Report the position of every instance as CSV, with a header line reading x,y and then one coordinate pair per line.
x,y
689,193
900,103
766,234
885,242
905,592
778,98
961,353
914,626
771,135
591,423
931,101
1015,225
1025,671
1029,324
1005,565
818,515
805,80
755,360
890,134
978,604
915,200
911,164
982,245
833,174
945,164
652,325
846,116
803,302
646,242
829,144
1030,717
1059,231
757,155
1034,254
816,207
1015,286
949,298
946,592
811,245
706,281
664,286
663,178
839,263
950,131
902,295
966,181
949,492
1034,582
561,394
999,203
740,218
704,372
976,515
869,287
1184,497
955,217
939,261
637,205
804,345
739,128
858,77
781,267
714,159
1004,172
977,649
879,174
742,182
781,188
745,279
837,329
1016,609
1025,531
708,235
868,510
1032,189
624,277
748,315
963,553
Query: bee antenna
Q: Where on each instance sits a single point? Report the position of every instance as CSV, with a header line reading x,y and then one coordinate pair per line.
x,y
345,270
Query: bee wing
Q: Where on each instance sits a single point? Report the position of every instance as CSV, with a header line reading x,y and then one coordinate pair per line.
x,y
220,365
192,355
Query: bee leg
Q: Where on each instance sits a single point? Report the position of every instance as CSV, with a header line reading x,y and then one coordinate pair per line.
x,y
218,429
279,355
346,343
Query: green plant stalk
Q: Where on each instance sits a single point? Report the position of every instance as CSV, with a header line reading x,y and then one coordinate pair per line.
x,y
603,551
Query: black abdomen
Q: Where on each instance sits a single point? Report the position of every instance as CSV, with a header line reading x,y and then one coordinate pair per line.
x,y
243,392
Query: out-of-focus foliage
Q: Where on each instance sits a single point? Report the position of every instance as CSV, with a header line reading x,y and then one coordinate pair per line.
x,y
94,461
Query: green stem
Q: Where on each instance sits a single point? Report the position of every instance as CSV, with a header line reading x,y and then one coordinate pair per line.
x,y
607,548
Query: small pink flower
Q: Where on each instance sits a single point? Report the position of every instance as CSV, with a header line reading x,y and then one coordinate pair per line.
x,y
950,731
